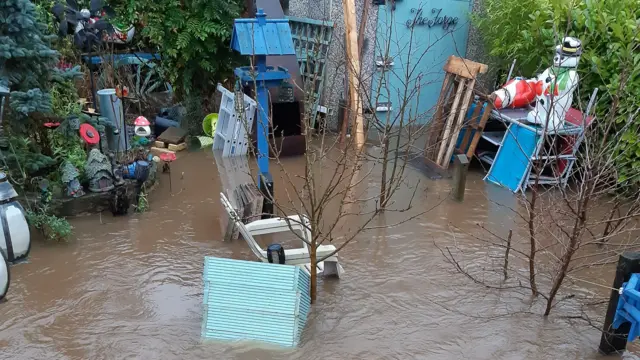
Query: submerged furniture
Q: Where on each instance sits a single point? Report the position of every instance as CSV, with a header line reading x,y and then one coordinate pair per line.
x,y
523,145
235,121
298,256
248,300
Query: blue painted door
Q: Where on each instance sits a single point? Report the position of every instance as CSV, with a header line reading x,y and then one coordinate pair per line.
x,y
417,37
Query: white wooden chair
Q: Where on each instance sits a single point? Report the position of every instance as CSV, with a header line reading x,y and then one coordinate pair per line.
x,y
297,256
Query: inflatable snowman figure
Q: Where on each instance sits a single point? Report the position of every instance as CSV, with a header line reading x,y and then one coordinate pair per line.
x,y
555,94
551,92
142,126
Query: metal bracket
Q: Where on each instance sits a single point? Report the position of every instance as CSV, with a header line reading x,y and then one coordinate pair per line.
x,y
384,63
383,107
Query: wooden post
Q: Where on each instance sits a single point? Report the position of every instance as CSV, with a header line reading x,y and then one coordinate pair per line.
x,y
615,340
266,188
363,24
353,68
461,164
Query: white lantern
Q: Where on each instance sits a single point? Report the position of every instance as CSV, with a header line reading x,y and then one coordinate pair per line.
x,y
5,278
15,239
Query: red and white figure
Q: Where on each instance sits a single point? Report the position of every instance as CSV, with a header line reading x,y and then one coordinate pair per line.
x,y
517,93
142,126
554,86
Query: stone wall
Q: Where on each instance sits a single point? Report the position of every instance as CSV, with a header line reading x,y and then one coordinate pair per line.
x,y
476,52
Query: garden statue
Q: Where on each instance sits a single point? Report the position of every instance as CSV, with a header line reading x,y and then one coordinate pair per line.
x,y
142,126
45,193
98,171
116,169
70,180
119,202
554,85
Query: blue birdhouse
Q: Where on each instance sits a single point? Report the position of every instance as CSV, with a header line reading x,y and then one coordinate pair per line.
x,y
262,37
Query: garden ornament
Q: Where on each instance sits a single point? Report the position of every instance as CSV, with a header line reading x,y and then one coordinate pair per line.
x,y
13,224
556,84
117,170
168,158
98,171
89,134
142,126
119,203
70,180
45,193
122,91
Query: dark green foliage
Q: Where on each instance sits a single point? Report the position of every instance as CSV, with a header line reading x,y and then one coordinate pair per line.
x,y
52,227
24,160
25,55
192,35
527,30
192,120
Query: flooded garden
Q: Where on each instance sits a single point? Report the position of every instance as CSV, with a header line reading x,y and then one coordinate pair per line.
x,y
357,180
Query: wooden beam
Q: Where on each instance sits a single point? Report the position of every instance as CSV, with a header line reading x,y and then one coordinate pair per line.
x,y
465,68
353,67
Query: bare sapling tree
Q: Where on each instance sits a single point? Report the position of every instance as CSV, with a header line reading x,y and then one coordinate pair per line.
x,y
563,231
398,82
332,193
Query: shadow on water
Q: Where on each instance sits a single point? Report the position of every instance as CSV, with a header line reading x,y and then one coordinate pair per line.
x,y
130,287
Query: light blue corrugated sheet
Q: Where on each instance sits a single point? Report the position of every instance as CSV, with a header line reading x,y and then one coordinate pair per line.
x,y
273,38
246,300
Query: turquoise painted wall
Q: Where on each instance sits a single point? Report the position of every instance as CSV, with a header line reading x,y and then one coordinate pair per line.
x,y
440,29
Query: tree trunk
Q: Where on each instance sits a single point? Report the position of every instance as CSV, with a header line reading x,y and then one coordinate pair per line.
x,y
314,274
532,242
557,282
576,233
383,180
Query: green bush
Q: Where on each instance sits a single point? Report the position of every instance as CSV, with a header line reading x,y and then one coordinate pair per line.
x,y
53,228
192,35
527,30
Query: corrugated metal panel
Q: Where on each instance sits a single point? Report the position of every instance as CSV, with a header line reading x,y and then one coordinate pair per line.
x,y
273,38
247,300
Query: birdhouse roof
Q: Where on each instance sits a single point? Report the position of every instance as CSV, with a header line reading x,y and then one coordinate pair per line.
x,y
269,37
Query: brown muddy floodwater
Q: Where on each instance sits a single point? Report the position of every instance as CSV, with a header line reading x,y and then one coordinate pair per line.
x,y
130,288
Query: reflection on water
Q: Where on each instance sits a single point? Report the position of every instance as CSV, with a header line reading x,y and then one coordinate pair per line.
x,y
130,288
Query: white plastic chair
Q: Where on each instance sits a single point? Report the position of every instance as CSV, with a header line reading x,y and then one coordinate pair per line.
x,y
297,256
